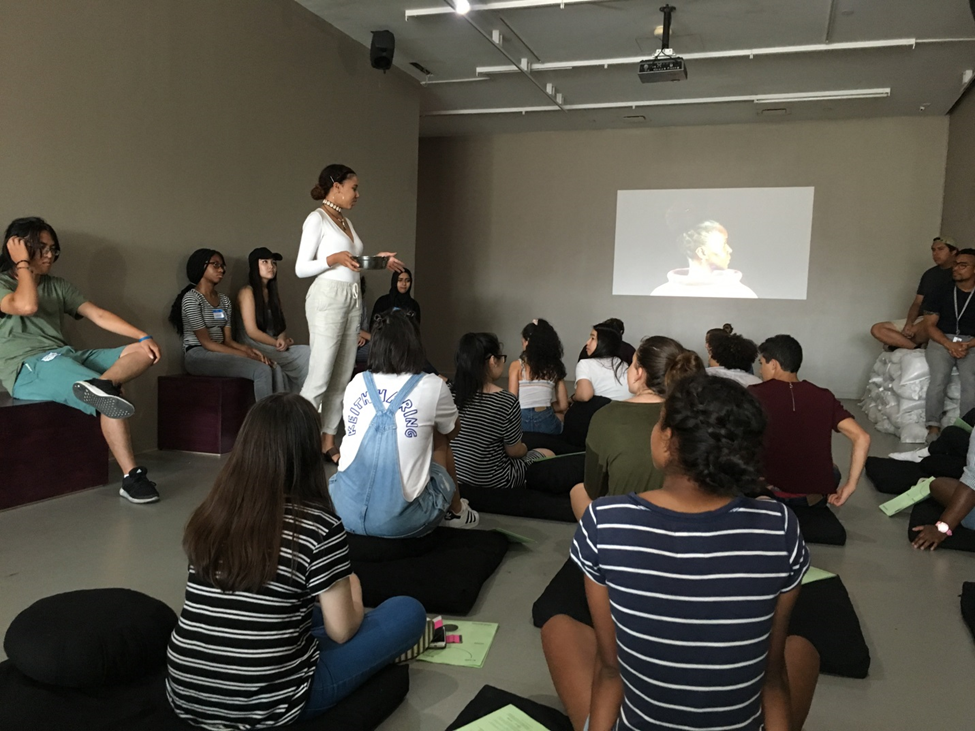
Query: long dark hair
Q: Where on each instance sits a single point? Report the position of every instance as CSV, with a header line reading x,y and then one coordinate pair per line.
x,y
278,324
718,428
543,354
471,365
233,539
196,267
665,361
608,342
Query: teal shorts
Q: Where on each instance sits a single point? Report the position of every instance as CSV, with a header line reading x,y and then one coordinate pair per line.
x,y
49,376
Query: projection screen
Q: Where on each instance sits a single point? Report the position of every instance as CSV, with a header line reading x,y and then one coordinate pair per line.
x,y
742,243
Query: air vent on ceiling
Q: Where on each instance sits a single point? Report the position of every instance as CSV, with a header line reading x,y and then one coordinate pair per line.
x,y
774,112
422,69
634,118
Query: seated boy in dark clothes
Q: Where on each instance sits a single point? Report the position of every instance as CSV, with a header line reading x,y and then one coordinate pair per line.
x,y
801,420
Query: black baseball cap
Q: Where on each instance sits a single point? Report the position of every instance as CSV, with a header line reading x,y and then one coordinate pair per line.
x,y
262,252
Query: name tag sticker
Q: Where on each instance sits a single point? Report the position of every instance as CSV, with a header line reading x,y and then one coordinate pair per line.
x,y
219,315
50,357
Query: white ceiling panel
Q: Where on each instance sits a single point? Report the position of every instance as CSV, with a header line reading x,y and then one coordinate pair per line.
x,y
924,73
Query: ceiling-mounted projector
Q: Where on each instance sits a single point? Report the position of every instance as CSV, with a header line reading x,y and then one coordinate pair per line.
x,y
664,65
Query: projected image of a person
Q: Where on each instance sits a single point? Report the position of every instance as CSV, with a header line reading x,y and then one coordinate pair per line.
x,y
707,274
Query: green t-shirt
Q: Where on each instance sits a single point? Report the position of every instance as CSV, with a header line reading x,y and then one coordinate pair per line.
x,y
618,450
24,337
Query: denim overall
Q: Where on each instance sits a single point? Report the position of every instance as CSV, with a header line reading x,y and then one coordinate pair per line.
x,y
368,494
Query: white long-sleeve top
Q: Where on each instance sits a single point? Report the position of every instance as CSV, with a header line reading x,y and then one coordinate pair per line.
x,y
320,238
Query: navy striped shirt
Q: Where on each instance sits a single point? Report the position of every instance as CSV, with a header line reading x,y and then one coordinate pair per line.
x,y
243,660
692,596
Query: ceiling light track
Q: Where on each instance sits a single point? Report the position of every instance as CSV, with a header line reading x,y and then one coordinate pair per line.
x,y
523,66
740,53
498,5
845,94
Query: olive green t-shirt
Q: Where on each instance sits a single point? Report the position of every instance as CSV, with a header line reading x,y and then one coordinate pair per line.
x,y
24,337
618,450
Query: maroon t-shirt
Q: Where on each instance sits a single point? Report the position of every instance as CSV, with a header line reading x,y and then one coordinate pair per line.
x,y
798,440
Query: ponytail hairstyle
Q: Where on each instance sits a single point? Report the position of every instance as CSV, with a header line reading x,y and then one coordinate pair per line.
x,y
717,429
278,324
196,267
665,362
543,354
331,175
471,365
608,342
717,332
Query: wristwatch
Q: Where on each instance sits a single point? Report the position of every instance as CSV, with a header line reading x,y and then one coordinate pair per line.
x,y
943,528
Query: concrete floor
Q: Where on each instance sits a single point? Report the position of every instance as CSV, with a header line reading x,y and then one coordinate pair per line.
x,y
923,656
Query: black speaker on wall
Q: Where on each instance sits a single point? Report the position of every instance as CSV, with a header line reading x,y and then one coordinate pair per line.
x,y
383,47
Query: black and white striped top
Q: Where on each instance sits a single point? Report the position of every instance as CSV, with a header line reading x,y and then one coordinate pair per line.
x,y
488,423
199,313
245,660
692,596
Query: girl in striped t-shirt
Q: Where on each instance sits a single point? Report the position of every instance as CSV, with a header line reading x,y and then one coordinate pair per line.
x,y
273,629
691,586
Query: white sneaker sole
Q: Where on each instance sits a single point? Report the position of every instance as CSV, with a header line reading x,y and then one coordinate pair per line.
x,y
138,500
114,407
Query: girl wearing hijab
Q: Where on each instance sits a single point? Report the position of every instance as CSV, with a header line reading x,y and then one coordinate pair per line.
x,y
399,297
263,319
202,316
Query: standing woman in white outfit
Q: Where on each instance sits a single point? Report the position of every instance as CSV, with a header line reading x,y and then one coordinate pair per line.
x,y
329,245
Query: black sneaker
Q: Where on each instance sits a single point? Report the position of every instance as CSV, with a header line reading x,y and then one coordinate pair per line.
x,y
104,396
137,488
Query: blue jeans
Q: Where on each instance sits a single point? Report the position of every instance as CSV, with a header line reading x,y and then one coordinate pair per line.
x,y
541,422
386,632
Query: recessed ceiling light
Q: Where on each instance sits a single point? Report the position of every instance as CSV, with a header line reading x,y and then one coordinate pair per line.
x,y
462,6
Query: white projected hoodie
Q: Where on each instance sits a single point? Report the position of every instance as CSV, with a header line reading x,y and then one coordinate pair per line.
x,y
722,283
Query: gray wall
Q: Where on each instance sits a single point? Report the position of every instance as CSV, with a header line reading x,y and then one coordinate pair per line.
x,y
958,219
144,130
514,227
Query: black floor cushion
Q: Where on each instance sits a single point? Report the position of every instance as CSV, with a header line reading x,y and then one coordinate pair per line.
x,y
490,699
892,476
968,605
819,524
553,442
520,503
26,705
929,513
444,570
825,616
556,475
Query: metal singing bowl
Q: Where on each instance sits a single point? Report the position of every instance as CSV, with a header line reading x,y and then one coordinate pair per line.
x,y
372,262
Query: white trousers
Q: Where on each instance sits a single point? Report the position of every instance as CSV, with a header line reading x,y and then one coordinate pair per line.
x,y
332,309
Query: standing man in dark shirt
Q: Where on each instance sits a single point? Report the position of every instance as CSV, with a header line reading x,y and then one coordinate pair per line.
x,y
950,321
801,421
910,333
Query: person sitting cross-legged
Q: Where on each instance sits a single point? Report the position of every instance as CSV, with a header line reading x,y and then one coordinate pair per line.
x,y
801,420
36,362
958,499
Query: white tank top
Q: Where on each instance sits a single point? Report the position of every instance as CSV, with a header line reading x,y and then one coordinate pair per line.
x,y
534,394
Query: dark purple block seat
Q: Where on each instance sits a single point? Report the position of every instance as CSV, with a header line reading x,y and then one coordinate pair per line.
x,y
202,413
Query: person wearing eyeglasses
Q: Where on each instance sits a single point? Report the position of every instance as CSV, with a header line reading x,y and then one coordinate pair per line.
x,y
488,451
202,316
36,362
